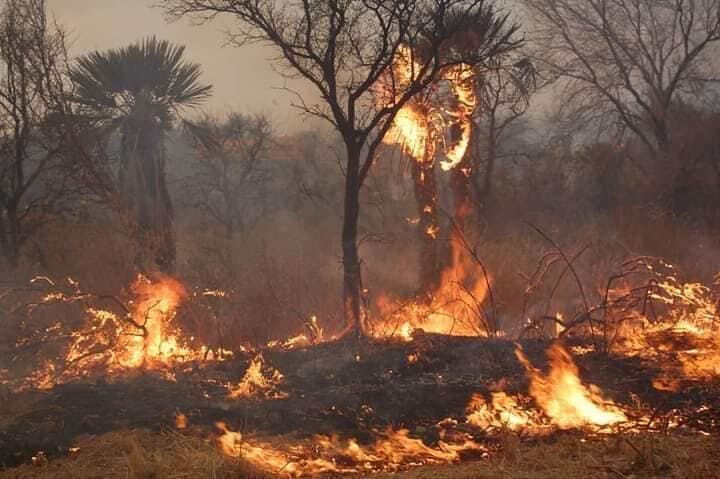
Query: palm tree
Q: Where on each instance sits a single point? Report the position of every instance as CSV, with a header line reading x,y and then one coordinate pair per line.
x,y
138,91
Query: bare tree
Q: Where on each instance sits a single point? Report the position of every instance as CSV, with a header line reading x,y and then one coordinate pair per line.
x,y
343,47
229,169
33,174
505,87
626,61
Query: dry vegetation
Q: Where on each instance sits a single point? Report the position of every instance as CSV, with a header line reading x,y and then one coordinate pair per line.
x,y
143,455
536,287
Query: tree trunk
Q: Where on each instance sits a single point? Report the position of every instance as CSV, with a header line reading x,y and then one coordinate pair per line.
x,y
483,184
146,195
460,177
11,237
352,280
425,183
165,253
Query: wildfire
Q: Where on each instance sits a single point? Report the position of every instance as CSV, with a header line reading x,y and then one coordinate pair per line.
x,y
411,127
393,450
462,81
563,397
421,122
154,310
145,336
454,307
683,340
503,412
181,421
314,335
258,381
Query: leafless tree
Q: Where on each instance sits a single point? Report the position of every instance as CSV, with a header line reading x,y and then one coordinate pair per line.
x,y
33,173
626,61
229,170
505,86
343,47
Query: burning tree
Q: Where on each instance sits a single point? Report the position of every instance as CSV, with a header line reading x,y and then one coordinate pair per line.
x,y
139,91
421,128
344,48
442,121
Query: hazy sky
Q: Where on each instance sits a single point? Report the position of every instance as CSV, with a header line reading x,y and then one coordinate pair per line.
x,y
243,78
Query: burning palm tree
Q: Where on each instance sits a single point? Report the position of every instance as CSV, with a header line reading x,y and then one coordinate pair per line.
x,y
138,91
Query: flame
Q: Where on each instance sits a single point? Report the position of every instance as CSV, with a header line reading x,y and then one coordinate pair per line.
x,y
563,397
314,335
144,337
181,421
258,381
392,450
504,412
155,307
454,308
684,341
462,81
420,123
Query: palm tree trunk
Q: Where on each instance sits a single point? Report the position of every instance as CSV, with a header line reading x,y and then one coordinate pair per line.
x,y
147,198
425,183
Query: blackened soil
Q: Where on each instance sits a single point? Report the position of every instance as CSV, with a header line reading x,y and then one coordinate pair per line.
x,y
342,388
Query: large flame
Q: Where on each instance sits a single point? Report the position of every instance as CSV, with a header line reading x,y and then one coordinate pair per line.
x,y
564,398
455,307
144,337
462,81
154,308
411,127
421,122
683,341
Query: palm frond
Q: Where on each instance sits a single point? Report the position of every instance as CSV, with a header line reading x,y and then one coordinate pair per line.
x,y
150,71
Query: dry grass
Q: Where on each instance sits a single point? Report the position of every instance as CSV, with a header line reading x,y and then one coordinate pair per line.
x,y
650,456
144,455
138,454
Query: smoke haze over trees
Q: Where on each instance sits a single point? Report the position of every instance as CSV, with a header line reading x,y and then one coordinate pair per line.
x,y
595,121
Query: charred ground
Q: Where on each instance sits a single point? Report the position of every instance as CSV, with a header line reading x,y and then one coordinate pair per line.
x,y
337,388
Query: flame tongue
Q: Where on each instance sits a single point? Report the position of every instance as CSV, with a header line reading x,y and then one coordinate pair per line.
x,y
392,450
684,341
156,303
145,337
454,307
503,412
462,81
258,381
563,397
